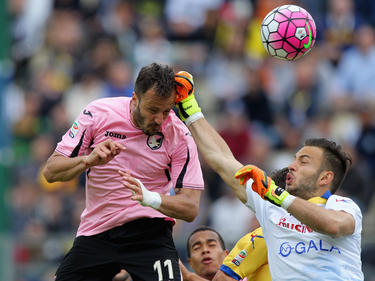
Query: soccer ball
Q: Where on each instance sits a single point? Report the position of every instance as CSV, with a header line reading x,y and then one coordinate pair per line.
x,y
288,32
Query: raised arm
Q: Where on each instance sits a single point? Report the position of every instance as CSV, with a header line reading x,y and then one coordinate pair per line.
x,y
210,144
217,154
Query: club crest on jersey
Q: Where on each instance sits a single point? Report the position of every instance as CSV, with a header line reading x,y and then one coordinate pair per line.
x,y
154,142
74,129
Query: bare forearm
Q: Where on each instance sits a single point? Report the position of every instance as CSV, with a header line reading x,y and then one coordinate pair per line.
x,y
217,154
210,144
180,206
330,222
61,168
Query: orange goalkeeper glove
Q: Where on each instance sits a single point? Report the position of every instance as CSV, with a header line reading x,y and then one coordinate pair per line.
x,y
188,108
264,186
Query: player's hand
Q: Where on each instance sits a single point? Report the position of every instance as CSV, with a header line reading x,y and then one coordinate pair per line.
x,y
103,153
140,193
186,274
122,276
185,85
262,184
185,100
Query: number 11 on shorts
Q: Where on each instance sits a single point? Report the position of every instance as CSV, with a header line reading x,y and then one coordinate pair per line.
x,y
168,264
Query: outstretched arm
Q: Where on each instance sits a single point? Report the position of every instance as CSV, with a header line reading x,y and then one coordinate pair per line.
x,y
217,154
210,144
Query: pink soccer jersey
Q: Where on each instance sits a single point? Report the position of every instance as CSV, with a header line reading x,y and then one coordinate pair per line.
x,y
162,162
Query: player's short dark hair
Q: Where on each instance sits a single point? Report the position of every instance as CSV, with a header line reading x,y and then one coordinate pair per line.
x,y
279,177
204,228
335,160
160,77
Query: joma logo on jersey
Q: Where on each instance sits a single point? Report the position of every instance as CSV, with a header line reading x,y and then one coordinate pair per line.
x,y
115,135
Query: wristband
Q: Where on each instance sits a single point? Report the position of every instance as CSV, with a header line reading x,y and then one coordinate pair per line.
x,y
150,198
191,119
288,201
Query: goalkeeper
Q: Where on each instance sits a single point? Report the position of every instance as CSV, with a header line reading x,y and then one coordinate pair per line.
x,y
311,233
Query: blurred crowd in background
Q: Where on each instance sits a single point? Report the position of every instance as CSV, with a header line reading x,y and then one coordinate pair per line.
x,y
66,53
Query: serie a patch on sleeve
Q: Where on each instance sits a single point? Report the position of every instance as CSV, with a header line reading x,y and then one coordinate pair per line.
x,y
74,129
240,257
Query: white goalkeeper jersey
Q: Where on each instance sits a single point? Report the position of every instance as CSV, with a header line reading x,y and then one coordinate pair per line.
x,y
295,252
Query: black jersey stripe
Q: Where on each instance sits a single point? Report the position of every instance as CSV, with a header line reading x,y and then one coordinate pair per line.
x,y
167,174
78,147
183,172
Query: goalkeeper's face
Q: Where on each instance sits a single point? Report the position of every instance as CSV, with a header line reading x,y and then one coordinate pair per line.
x,y
206,253
305,173
149,112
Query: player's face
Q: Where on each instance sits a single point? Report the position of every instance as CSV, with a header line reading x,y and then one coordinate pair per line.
x,y
149,112
206,253
305,172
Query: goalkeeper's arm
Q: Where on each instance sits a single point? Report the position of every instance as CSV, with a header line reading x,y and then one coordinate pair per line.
x,y
210,144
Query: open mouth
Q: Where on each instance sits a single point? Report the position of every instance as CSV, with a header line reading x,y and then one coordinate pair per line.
x,y
207,260
289,178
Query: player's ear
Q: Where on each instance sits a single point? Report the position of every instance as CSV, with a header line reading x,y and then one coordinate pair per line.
x,y
134,96
226,252
135,99
326,177
189,261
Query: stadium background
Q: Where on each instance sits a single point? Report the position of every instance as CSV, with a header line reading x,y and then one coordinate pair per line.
x,y
56,56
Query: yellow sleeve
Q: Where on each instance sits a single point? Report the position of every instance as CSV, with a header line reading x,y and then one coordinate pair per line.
x,y
248,258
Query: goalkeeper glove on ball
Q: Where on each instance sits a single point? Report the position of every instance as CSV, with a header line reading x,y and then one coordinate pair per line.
x,y
264,186
188,108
